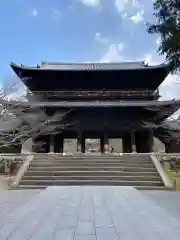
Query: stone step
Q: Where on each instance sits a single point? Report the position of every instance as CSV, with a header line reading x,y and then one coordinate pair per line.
x,y
25,187
93,168
80,161
95,177
103,157
94,164
89,173
162,188
91,182
32,187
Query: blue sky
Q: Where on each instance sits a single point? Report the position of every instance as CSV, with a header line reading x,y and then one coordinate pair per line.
x,y
78,30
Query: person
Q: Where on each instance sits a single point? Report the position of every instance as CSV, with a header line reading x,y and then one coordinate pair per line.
x,y
112,149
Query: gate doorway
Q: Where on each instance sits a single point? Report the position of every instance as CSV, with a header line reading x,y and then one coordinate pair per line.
x,y
92,145
116,145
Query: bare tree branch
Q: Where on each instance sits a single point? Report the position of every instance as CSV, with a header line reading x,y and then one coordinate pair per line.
x,y
19,121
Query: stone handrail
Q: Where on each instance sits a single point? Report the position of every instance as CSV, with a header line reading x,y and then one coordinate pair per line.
x,y
22,170
8,158
160,170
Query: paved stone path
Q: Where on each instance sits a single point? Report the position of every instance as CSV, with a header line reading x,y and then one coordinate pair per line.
x,y
170,200
87,213
10,200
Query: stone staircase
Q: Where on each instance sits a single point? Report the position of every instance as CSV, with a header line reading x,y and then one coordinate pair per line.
x,y
125,170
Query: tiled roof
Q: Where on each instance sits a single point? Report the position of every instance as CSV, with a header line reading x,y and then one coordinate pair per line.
x,y
173,125
90,66
94,66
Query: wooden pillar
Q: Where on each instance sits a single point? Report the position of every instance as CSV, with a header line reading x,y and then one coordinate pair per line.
x,y
133,144
80,143
123,145
59,144
106,142
51,144
127,148
79,148
144,141
83,144
102,144
47,143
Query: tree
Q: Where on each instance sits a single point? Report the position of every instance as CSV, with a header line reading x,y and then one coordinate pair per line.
x,y
167,26
20,121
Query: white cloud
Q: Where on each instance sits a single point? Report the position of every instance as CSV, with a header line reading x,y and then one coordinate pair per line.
x,y
131,9
170,88
153,58
121,5
91,3
101,39
34,13
114,53
124,15
121,46
125,7
138,17
56,11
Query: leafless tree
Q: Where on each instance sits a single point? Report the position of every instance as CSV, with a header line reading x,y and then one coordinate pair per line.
x,y
19,122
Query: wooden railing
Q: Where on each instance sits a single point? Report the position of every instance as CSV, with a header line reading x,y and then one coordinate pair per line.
x,y
96,94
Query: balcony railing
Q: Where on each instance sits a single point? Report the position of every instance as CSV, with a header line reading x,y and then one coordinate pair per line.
x,y
96,94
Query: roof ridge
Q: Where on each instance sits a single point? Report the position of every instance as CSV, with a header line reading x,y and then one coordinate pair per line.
x,y
43,63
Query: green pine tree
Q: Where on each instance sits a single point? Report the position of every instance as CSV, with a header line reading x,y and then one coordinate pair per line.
x,y
167,26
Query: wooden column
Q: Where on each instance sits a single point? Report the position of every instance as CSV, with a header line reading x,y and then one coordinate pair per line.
x,y
80,143
79,148
106,142
127,143
59,144
51,144
83,144
133,144
144,141
102,144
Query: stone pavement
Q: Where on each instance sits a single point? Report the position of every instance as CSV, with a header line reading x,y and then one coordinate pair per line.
x,y
86,213
3,182
10,200
169,200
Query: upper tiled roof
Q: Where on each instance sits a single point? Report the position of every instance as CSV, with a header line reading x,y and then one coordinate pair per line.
x,y
91,66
